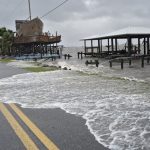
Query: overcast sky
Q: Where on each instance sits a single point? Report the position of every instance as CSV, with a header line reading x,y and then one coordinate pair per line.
x,y
78,18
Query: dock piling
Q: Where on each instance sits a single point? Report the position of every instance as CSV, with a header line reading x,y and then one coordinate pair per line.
x,y
148,59
130,62
122,63
78,55
81,55
142,63
110,64
65,55
96,62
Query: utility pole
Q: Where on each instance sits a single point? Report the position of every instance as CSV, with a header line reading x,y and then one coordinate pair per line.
x,y
29,9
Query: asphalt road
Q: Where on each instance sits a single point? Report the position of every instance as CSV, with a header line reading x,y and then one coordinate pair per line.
x,y
7,71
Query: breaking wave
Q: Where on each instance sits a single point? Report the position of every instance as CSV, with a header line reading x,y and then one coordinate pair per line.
x,y
115,103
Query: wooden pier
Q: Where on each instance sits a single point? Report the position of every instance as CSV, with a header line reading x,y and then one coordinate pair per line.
x,y
95,45
67,56
96,62
129,60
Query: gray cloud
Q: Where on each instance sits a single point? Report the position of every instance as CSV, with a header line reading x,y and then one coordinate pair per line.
x,y
79,18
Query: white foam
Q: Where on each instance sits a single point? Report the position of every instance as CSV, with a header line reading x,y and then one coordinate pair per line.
x,y
22,64
115,106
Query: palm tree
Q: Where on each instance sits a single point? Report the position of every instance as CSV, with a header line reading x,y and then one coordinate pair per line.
x,y
5,40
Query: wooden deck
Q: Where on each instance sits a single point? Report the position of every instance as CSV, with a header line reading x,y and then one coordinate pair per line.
x,y
129,60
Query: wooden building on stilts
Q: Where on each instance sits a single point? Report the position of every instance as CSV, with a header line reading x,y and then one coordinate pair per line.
x,y
135,42
94,46
30,39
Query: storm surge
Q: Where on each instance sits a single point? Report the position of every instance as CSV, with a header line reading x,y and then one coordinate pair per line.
x,y
115,103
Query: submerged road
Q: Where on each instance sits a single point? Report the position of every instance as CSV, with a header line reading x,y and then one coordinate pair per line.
x,y
41,129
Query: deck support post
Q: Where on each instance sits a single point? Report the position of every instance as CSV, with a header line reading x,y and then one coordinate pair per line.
x,y
142,62
50,49
116,45
85,46
101,46
112,44
144,46
81,55
130,62
92,47
148,60
41,50
78,55
147,45
110,63
99,50
139,45
129,46
46,48
108,46
122,63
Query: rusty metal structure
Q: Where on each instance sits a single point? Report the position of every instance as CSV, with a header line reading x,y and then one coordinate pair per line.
x,y
30,39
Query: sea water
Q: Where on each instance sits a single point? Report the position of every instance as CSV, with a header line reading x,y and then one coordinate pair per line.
x,y
114,102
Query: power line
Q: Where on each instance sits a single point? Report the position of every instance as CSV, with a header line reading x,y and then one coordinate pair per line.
x,y
54,8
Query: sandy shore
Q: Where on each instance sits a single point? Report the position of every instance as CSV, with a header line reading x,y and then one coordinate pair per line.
x,y
68,132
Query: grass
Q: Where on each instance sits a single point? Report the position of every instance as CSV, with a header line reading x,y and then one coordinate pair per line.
x,y
6,60
41,69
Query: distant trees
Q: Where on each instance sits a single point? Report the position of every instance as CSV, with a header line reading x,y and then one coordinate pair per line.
x,y
6,37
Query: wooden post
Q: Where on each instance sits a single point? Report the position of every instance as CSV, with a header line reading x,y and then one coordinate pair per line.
x,y
101,46
99,49
142,62
65,56
112,44
85,46
33,49
19,52
87,63
108,46
139,45
116,45
110,63
50,49
130,62
125,47
144,46
121,63
148,60
78,54
41,51
147,45
96,63
129,46
46,48
53,48
81,55
92,47
56,34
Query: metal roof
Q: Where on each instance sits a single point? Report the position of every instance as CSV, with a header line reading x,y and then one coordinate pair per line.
x,y
122,33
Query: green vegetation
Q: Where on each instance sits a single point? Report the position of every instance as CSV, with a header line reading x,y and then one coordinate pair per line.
x,y
6,38
41,69
6,60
